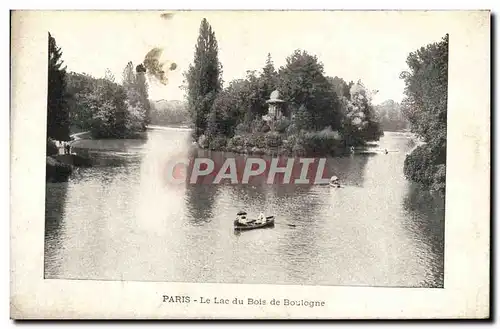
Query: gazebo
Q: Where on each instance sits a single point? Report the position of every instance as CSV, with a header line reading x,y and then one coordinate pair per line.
x,y
276,107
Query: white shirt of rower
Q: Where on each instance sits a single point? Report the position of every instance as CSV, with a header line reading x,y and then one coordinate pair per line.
x,y
242,219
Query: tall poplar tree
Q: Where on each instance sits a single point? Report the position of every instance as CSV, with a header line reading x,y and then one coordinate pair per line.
x,y
57,107
142,90
203,78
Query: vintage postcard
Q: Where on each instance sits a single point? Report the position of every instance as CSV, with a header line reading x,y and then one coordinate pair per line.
x,y
250,164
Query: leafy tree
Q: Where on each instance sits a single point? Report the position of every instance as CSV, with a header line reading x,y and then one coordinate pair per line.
x,y
425,107
341,87
269,77
142,90
129,79
425,104
98,105
302,82
303,119
57,107
138,107
79,87
203,78
359,121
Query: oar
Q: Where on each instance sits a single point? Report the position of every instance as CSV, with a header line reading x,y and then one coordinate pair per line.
x,y
290,225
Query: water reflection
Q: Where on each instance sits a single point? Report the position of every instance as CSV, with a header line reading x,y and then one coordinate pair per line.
x,y
200,200
425,220
121,220
55,200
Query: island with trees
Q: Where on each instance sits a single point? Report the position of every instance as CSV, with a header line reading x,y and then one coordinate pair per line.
x,y
318,114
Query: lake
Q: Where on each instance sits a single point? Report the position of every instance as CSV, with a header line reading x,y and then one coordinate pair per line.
x,y
121,220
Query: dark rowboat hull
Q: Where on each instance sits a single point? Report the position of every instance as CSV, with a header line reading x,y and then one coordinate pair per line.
x,y
251,226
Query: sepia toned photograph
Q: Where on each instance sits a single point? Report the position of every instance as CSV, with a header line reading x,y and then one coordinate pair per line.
x,y
279,148
308,158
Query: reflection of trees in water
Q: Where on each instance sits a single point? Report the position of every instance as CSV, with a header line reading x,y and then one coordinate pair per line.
x,y
55,202
200,196
299,246
287,199
248,194
349,169
200,199
426,221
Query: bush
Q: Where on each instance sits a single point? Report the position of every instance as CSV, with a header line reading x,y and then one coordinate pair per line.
x,y
52,148
320,142
236,142
203,141
282,125
258,140
259,126
217,143
242,128
425,166
273,139
439,179
292,129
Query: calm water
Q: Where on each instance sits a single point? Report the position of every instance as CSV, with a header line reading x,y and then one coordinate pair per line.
x,y
119,220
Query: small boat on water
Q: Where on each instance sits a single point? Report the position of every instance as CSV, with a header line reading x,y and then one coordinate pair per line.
x,y
252,224
334,182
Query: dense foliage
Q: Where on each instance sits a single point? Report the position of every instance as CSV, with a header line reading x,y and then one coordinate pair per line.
x,y
106,108
425,106
164,113
57,107
391,116
99,105
321,115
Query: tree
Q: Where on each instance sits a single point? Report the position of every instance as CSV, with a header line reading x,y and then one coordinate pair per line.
x,y
359,122
425,107
98,105
426,91
79,86
138,106
341,88
203,78
57,106
269,77
391,116
142,90
302,82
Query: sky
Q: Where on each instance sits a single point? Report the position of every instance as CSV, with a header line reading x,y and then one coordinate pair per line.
x,y
370,46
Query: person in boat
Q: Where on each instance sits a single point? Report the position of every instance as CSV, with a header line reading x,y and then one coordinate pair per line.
x,y
334,181
68,148
261,219
242,218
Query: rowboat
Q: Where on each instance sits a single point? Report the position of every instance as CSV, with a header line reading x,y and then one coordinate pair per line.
x,y
252,224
